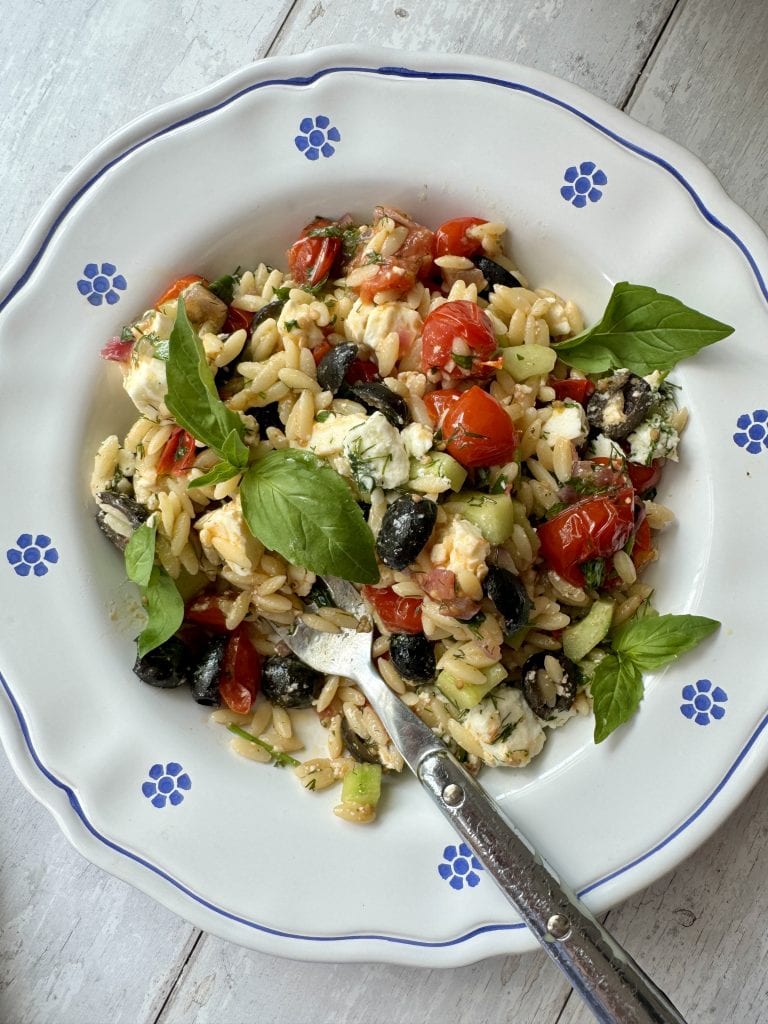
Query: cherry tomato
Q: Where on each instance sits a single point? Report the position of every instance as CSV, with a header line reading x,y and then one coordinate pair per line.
x,y
311,258
399,272
237,320
592,528
643,550
573,388
478,431
439,402
208,610
321,350
178,286
451,238
178,454
241,672
458,337
645,478
117,350
400,614
361,369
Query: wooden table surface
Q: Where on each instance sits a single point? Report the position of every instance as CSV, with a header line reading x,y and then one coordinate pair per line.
x,y
80,947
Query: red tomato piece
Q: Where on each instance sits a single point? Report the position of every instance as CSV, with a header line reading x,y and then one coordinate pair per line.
x,y
240,673
361,369
178,455
451,238
439,402
577,390
400,614
178,286
208,610
643,550
458,338
645,478
117,350
592,528
311,257
321,350
478,431
237,320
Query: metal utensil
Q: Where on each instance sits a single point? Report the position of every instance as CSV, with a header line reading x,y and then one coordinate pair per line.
x,y
607,978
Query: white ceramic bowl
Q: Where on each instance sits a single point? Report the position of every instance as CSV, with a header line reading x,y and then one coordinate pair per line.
x,y
228,176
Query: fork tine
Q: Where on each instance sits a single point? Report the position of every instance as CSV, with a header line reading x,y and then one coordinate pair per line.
x,y
345,595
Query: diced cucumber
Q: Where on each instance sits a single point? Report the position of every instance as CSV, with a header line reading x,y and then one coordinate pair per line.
x,y
436,465
362,784
581,637
468,695
492,514
524,361
588,665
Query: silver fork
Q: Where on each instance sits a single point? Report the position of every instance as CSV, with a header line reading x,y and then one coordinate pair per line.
x,y
602,972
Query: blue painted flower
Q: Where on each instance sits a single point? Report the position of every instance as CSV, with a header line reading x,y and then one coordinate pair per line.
x,y
165,784
702,703
582,182
32,555
460,867
753,431
316,137
98,283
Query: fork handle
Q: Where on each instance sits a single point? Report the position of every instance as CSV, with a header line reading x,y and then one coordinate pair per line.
x,y
605,975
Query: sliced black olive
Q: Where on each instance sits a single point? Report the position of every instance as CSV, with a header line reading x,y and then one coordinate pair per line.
x,y
320,595
494,273
619,404
509,595
546,696
271,310
167,666
362,750
206,674
333,367
266,416
134,514
405,529
377,397
413,656
290,683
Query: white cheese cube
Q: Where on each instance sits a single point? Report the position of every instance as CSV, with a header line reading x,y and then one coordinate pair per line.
x,y
417,439
460,546
376,455
569,421
506,728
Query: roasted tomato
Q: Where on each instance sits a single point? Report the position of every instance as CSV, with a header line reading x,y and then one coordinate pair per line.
x,y
240,673
645,478
178,286
361,370
208,609
118,350
579,390
398,272
439,402
592,528
478,431
178,455
458,338
399,614
451,238
237,320
311,258
643,550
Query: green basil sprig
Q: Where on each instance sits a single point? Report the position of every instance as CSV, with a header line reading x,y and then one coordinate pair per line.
x,y
162,601
297,505
637,646
641,330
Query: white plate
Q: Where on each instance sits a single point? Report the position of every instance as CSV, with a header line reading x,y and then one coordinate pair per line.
x,y
228,176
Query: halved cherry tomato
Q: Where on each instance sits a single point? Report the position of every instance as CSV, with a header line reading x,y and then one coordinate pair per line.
x,y
311,258
399,272
458,337
592,528
178,454
241,672
645,478
361,369
400,614
478,431
573,388
643,550
209,610
451,238
321,350
237,320
439,402
178,286
117,350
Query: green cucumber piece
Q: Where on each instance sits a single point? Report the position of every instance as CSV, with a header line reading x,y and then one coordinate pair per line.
x,y
362,784
437,465
492,514
524,361
470,694
581,637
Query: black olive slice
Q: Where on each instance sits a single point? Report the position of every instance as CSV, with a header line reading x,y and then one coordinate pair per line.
x,y
362,750
619,404
289,683
334,366
545,695
377,397
207,672
494,273
405,529
509,595
167,666
134,514
413,656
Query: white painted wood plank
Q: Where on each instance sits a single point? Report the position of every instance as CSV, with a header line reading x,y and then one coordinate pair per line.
x,y
707,88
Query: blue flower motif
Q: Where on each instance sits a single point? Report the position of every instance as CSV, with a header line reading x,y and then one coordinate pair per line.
x,y
582,182
702,703
316,137
460,867
753,431
32,555
165,784
98,283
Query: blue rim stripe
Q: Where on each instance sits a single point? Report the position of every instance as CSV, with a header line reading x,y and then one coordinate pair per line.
x,y
397,72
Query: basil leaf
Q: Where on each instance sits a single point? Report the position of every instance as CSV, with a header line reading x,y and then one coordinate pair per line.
x,y
298,506
165,611
643,331
617,689
224,287
140,554
221,471
653,641
192,397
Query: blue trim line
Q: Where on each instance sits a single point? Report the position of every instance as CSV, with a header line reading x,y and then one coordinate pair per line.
x,y
396,72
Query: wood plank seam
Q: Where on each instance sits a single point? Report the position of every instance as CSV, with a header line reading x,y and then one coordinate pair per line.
x,y
658,42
